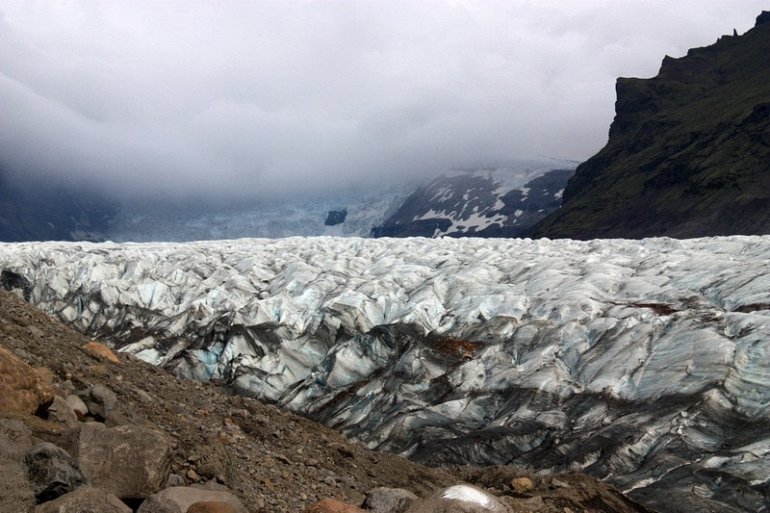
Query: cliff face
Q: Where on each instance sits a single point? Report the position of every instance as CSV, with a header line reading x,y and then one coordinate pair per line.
x,y
688,152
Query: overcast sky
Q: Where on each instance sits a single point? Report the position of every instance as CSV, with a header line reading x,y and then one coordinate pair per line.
x,y
229,96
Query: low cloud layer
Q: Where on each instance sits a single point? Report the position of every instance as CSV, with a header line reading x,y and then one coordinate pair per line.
x,y
258,97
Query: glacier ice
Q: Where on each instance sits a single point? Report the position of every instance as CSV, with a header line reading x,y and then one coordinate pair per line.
x,y
646,363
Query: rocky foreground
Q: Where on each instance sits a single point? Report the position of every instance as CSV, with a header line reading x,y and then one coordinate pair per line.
x,y
83,429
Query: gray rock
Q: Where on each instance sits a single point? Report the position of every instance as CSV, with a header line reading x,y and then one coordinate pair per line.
x,y
15,439
15,491
159,505
51,471
77,405
60,411
175,480
459,499
144,396
388,500
129,461
84,500
557,483
100,401
182,497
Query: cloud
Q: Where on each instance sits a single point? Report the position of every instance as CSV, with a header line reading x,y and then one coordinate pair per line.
x,y
254,97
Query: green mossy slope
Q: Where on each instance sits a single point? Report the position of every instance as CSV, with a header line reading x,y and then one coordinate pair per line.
x,y
688,152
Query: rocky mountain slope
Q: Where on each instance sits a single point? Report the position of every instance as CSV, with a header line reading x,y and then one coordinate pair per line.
x,y
480,203
640,362
688,150
85,429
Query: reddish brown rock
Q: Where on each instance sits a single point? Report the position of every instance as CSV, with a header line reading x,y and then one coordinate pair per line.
x,y
522,485
101,351
332,506
22,389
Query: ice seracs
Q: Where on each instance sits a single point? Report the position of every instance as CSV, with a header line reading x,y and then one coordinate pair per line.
x,y
642,362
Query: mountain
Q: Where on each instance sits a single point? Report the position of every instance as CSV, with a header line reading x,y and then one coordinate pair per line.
x,y
32,211
498,202
688,152
643,363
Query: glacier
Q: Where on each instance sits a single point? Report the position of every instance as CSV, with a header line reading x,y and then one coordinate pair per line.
x,y
280,215
645,363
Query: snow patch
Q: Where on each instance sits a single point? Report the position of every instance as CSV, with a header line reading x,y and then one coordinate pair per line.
x,y
467,493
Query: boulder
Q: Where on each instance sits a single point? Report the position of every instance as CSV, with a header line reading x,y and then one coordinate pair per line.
x,y
101,351
388,500
77,405
459,499
100,400
158,505
211,507
129,461
60,411
178,499
332,506
15,439
22,390
15,492
84,500
51,471
522,485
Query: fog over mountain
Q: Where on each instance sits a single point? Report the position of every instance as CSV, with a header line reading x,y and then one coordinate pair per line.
x,y
259,98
